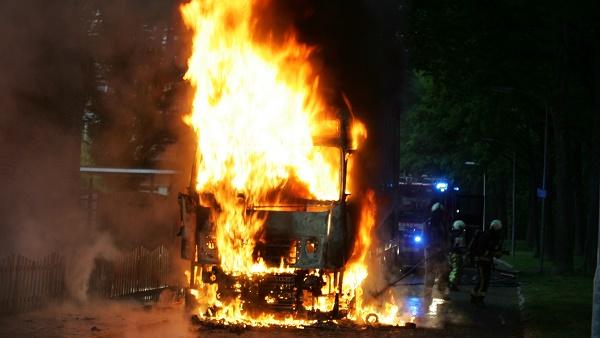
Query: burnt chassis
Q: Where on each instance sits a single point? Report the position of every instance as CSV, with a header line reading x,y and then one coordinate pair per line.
x,y
312,237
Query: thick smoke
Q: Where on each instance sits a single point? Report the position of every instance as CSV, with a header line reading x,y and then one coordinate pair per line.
x,y
62,63
41,100
361,53
113,69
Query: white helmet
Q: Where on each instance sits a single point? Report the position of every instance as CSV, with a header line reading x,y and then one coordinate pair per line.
x,y
496,224
458,225
437,206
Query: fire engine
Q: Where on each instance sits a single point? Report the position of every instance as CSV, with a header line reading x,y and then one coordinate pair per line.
x,y
412,200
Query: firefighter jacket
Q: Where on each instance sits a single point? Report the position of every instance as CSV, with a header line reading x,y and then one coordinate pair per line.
x,y
436,233
487,245
458,240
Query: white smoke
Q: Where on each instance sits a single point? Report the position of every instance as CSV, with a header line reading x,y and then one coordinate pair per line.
x,y
80,265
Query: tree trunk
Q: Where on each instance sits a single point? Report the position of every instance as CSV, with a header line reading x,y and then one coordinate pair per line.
x,y
589,259
551,207
564,193
533,224
501,211
592,223
564,202
579,201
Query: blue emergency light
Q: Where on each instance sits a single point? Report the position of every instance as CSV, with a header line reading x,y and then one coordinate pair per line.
x,y
441,186
418,239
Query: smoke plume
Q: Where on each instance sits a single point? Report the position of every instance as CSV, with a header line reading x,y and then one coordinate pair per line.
x,y
73,75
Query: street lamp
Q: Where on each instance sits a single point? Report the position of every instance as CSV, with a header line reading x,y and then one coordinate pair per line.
x,y
473,163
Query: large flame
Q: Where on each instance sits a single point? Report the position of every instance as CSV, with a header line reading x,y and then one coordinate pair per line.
x,y
255,111
357,269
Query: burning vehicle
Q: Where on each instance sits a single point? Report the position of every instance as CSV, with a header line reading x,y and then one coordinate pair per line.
x,y
268,224
299,255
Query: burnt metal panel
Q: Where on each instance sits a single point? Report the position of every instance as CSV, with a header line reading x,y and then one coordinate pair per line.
x,y
335,255
307,229
316,239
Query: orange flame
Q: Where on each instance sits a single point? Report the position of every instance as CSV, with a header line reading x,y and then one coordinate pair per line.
x,y
366,225
358,133
256,109
356,270
256,112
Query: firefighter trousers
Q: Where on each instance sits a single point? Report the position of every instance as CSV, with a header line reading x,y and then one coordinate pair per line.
x,y
436,266
484,269
456,267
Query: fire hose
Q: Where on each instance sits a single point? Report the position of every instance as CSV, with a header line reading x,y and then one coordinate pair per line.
x,y
412,269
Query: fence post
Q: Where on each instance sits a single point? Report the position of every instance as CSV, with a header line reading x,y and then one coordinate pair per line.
x,y
26,283
5,284
46,277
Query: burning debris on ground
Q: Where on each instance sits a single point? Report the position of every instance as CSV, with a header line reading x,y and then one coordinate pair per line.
x,y
326,325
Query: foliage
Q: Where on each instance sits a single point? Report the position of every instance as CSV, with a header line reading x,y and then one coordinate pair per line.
x,y
484,77
130,114
435,138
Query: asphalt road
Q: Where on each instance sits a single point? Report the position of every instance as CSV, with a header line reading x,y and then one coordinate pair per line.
x,y
456,317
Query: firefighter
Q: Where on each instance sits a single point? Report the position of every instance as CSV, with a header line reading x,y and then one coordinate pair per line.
x,y
484,248
457,251
436,250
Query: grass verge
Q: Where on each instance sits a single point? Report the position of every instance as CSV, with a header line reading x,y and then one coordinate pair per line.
x,y
555,305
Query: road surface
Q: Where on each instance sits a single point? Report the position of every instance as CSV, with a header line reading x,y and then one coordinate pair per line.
x,y
456,317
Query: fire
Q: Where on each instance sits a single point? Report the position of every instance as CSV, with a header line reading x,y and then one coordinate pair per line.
x,y
356,269
257,111
359,134
384,311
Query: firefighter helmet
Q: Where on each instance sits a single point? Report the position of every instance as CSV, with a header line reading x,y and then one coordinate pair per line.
x,y
496,224
458,225
437,206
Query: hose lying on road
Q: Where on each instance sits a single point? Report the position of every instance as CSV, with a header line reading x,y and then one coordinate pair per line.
x,y
498,282
412,269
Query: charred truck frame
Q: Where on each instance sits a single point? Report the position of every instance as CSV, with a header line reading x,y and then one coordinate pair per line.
x,y
312,237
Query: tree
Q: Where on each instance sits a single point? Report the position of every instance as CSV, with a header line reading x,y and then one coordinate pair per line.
x,y
132,115
491,72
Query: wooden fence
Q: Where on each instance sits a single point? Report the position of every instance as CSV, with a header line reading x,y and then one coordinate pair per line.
x,y
139,272
26,284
